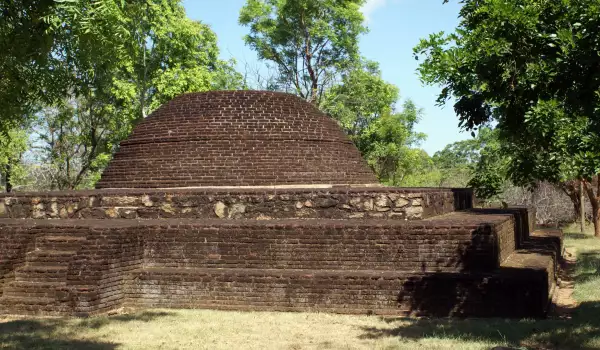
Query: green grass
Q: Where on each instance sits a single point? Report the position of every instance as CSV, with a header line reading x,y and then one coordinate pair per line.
x,y
206,329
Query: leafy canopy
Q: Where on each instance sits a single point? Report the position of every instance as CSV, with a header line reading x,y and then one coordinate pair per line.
x,y
365,106
308,40
530,67
84,71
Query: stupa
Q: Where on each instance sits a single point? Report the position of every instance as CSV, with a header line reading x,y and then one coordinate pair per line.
x,y
254,200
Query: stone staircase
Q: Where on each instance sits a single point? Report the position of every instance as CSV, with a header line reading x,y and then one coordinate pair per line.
x,y
40,286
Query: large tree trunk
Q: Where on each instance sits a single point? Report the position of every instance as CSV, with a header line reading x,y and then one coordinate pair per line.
x,y
593,191
596,219
571,189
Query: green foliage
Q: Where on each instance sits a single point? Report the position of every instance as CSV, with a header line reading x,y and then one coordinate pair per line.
x,y
490,171
477,162
419,170
361,98
310,41
98,67
74,143
388,144
170,54
31,72
13,143
531,67
365,106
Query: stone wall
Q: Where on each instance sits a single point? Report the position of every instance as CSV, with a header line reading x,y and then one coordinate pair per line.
x,y
260,204
236,138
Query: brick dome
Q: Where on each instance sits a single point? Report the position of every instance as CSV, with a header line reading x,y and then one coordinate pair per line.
x,y
236,138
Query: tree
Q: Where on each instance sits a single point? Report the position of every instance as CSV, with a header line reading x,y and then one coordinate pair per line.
x,y
13,144
31,72
420,171
310,41
365,106
170,54
389,144
123,59
459,161
73,144
530,66
361,97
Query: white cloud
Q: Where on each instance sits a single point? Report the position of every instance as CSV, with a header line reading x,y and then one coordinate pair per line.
x,y
370,6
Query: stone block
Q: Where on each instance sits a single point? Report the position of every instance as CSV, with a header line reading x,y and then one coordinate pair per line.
x,y
326,202
220,210
236,211
414,213
146,201
401,202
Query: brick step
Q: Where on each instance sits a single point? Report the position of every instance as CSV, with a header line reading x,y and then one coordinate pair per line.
x,y
348,264
49,257
41,273
26,300
541,262
34,289
408,246
35,306
56,242
369,291
546,239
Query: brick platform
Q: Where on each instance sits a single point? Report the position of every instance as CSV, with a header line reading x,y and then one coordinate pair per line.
x,y
448,265
312,232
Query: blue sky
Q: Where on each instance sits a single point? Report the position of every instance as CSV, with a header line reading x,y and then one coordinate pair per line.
x,y
395,27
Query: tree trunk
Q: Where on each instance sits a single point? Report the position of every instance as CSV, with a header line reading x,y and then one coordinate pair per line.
x,y
581,208
596,218
8,179
573,189
593,196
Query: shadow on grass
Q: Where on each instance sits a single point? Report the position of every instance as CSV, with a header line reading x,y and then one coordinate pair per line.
x,y
588,266
63,333
144,316
44,334
582,331
573,235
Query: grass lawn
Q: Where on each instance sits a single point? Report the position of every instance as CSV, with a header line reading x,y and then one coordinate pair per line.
x,y
204,329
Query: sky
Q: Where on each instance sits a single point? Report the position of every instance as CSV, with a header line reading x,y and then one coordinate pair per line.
x,y
395,27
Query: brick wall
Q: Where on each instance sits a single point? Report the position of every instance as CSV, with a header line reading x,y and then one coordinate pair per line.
x,y
510,294
15,242
283,263
236,138
261,204
323,244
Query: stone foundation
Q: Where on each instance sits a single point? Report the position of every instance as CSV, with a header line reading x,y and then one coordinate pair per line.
x,y
236,203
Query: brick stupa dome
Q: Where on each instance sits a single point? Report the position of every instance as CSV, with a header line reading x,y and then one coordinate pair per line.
x,y
236,138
